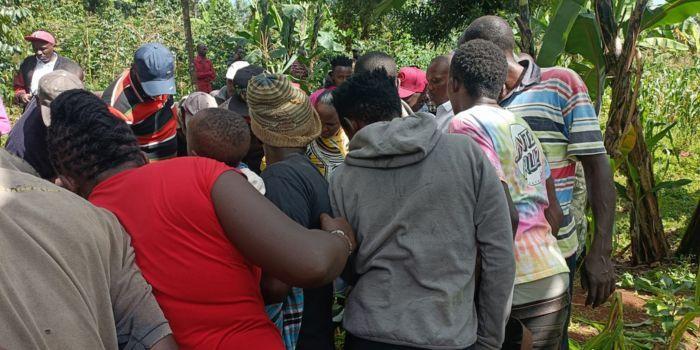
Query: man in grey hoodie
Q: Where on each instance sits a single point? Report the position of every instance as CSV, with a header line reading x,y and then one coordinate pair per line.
x,y
422,203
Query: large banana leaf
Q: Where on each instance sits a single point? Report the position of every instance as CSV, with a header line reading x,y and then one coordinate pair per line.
x,y
385,5
663,43
585,40
671,12
555,37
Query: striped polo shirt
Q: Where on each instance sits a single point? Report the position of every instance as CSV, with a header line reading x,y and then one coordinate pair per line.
x,y
555,103
152,119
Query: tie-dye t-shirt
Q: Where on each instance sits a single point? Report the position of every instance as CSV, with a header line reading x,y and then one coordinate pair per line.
x,y
517,155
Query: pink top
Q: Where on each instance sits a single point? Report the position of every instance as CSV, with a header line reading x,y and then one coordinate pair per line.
x,y
4,120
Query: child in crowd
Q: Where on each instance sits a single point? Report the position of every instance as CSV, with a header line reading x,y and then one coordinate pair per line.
x,y
222,135
283,119
477,74
328,151
186,109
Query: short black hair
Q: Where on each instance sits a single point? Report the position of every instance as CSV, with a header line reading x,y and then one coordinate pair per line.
x,y
490,28
86,139
375,60
341,61
368,96
219,134
481,67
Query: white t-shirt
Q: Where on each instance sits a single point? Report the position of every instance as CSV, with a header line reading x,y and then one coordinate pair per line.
x,y
40,70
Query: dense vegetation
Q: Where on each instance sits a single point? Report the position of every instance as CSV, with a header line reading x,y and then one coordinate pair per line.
x,y
101,35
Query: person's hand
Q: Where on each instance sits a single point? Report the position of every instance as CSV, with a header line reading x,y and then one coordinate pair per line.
x,y
598,278
554,216
24,98
329,224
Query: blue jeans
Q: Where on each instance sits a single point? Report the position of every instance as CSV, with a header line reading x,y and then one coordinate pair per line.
x,y
571,262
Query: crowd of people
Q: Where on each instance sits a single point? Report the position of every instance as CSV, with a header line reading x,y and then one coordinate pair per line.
x,y
445,205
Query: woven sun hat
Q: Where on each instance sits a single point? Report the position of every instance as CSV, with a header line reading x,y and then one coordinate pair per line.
x,y
281,115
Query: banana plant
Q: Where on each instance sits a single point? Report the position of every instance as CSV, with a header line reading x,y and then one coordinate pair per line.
x,y
606,34
280,34
576,30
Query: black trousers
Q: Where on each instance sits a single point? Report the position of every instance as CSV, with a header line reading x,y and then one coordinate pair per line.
x,y
354,343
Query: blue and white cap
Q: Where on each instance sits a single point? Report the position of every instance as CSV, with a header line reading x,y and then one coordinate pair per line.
x,y
155,66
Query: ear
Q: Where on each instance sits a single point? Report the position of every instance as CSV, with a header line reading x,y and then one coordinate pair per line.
x,y
67,183
504,92
453,85
350,127
144,158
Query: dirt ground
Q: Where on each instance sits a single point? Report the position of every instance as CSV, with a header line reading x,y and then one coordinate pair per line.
x,y
634,314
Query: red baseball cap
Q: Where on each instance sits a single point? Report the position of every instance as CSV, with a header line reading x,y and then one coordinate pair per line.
x,y
41,35
411,80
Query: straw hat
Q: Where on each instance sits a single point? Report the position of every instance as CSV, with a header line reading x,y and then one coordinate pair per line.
x,y
280,114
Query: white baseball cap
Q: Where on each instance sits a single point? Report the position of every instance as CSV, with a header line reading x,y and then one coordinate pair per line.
x,y
234,67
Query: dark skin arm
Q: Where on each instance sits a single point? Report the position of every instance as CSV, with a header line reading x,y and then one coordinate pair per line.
x,y
553,213
273,290
598,275
281,247
166,343
514,218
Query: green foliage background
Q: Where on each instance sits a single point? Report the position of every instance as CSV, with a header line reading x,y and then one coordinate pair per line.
x,y
102,35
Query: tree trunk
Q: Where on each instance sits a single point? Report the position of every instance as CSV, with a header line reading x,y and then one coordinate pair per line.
x,y
189,43
690,245
523,20
646,228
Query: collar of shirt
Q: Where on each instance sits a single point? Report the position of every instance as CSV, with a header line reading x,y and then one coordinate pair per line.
x,y
532,75
52,62
445,108
40,70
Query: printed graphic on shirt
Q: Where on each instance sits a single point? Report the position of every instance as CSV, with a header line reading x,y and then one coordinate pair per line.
x,y
527,156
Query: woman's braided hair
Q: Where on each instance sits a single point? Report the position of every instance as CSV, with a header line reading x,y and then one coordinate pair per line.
x,y
85,139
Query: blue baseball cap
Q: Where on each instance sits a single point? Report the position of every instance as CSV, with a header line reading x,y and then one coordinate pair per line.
x,y
155,66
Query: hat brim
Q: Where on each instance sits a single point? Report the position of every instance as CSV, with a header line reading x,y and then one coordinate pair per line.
x,y
236,105
159,87
33,39
403,93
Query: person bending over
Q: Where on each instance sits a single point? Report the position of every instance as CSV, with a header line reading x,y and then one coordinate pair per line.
x,y
222,135
201,233
477,74
422,203
328,150
69,280
282,117
379,60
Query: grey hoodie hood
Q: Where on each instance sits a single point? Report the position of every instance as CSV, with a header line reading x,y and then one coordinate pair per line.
x,y
394,144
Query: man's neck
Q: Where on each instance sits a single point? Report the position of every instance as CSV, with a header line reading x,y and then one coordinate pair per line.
x,y
481,101
277,154
54,57
442,102
515,75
